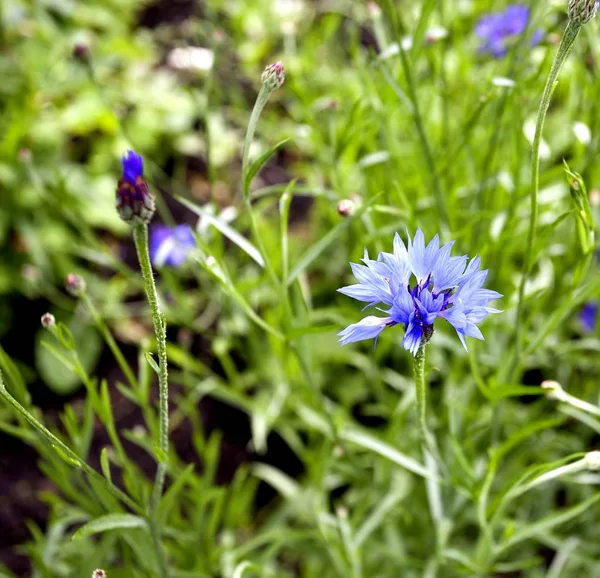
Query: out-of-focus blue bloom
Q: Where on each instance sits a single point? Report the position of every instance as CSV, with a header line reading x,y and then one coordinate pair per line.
x,y
170,245
419,285
134,201
495,29
588,316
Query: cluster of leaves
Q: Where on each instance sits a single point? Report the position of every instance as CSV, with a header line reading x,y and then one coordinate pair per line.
x,y
428,133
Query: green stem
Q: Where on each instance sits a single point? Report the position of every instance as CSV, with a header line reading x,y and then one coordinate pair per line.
x,y
434,174
140,235
261,100
110,341
568,39
421,396
65,452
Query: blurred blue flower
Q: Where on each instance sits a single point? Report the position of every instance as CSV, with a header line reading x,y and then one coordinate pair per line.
x,y
170,245
134,201
495,29
588,316
443,286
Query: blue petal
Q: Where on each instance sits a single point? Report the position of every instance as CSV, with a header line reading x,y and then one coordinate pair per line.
x,y
412,338
402,307
368,328
133,166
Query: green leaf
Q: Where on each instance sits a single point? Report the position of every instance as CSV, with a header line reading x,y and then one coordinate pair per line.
x,y
258,163
170,497
286,486
383,449
322,244
109,522
152,362
64,335
549,522
241,568
55,366
105,464
15,383
225,230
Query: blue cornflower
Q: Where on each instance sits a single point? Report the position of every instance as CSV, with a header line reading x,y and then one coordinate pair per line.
x,y
170,245
495,29
134,201
588,316
419,285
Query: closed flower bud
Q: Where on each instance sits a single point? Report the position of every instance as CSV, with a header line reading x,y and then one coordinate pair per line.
x,y
346,208
81,51
48,321
582,11
135,204
75,285
592,460
273,76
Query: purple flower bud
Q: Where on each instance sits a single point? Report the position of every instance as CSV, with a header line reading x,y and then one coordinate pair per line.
x,y
273,76
75,285
48,321
135,204
81,51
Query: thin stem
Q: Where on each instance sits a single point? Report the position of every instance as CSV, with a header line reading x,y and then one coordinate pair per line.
x,y
65,452
568,39
110,341
421,395
261,100
427,152
140,235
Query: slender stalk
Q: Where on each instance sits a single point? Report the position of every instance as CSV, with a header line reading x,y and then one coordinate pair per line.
x,y
140,236
421,396
65,452
568,39
110,341
434,174
261,100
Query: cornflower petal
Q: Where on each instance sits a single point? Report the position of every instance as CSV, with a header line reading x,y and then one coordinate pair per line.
x,y
368,328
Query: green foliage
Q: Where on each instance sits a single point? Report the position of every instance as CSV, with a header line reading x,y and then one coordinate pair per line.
x,y
436,136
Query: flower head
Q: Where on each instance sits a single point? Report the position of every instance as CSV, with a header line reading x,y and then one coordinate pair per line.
x,y
134,201
496,29
273,76
170,245
75,285
418,285
48,321
582,11
588,316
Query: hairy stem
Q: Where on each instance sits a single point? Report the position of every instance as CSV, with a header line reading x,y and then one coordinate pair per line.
x,y
140,235
568,39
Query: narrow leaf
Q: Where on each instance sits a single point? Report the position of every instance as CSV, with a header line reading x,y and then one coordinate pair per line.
x,y
109,522
371,443
225,230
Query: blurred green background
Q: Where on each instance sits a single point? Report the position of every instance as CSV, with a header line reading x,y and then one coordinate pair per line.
x,y
390,105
